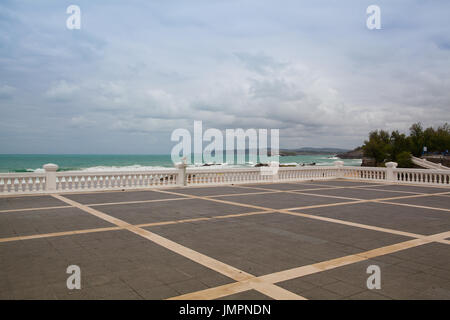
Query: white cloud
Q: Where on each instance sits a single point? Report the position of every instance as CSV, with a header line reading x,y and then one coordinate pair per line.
x,y
311,69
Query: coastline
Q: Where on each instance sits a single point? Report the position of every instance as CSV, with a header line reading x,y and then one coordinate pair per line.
x,y
100,163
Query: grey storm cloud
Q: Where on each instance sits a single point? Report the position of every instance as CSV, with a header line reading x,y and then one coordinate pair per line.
x,y
136,71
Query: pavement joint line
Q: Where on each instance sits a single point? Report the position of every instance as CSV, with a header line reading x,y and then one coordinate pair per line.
x,y
149,224
395,191
263,211
373,200
403,184
241,194
338,221
58,234
325,195
33,209
298,272
313,194
162,223
339,197
301,191
268,289
413,205
355,224
185,196
271,210
412,196
136,202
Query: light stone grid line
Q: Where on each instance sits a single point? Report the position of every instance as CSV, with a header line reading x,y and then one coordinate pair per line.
x,y
183,196
294,273
289,211
263,284
141,225
264,210
268,289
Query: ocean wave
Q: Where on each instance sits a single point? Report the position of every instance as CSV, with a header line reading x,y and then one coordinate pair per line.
x,y
197,166
136,167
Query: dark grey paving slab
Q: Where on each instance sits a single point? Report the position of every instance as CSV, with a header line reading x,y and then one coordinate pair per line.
x,y
417,273
286,186
430,201
415,220
213,191
358,193
418,189
247,295
114,265
283,200
273,242
119,196
340,183
138,213
21,223
26,202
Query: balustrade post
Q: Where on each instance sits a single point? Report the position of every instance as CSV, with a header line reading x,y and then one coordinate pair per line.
x,y
274,166
181,166
339,168
390,166
50,176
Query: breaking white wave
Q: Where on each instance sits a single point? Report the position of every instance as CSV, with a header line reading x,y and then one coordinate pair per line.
x,y
123,168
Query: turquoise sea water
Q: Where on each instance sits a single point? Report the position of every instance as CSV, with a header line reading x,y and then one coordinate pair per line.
x,y
30,163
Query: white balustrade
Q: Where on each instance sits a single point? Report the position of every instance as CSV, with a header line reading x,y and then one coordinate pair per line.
x,y
87,181
74,181
365,173
423,176
27,182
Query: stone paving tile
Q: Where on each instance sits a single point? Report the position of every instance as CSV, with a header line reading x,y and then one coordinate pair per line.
x,y
286,186
273,242
43,221
418,189
137,213
359,193
119,196
114,265
247,295
432,201
213,191
410,219
319,293
367,295
27,202
340,183
400,277
283,200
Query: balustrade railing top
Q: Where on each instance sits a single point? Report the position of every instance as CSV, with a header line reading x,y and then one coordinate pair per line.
x,y
52,181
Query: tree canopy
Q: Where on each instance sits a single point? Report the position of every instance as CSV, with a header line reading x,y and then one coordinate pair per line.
x,y
398,147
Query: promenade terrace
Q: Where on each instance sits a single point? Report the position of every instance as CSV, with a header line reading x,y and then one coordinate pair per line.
x,y
300,234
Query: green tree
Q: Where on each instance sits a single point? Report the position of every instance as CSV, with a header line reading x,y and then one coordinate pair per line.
x,y
404,160
377,147
398,147
398,143
416,138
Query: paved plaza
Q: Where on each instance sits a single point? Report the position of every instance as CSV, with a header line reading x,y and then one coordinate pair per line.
x,y
302,240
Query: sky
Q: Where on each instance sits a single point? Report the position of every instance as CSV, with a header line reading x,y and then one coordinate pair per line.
x,y
137,70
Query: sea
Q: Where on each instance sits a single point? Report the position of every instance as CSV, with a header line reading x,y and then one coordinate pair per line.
x,y
122,162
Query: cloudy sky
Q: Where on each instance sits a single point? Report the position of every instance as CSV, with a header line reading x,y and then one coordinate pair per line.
x,y
137,70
